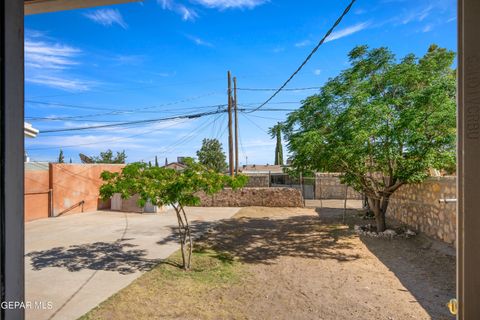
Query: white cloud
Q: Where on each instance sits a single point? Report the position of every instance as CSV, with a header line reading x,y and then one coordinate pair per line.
x,y
165,74
47,63
39,54
188,14
416,15
317,72
128,59
199,42
427,28
451,19
347,31
107,17
360,11
63,83
231,4
303,43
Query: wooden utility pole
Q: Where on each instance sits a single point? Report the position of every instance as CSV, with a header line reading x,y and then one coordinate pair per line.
x,y
230,133
236,122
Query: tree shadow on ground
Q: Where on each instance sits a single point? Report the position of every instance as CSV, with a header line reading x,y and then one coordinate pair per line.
x,y
262,240
108,256
425,267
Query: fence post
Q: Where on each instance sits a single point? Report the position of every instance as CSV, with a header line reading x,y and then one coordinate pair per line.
x,y
302,189
50,203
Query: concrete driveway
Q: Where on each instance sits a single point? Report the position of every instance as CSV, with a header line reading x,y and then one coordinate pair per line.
x,y
73,263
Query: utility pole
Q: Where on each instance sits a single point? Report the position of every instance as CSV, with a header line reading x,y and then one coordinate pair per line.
x,y
230,133
236,122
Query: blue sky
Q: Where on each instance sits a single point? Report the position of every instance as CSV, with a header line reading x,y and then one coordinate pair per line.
x,y
162,58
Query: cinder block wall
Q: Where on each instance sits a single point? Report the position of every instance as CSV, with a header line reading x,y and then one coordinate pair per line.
x,y
418,206
248,197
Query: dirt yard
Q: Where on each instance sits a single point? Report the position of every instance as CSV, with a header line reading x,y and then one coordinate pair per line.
x,y
278,263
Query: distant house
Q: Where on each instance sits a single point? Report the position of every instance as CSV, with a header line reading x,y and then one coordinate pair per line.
x,y
261,168
179,165
175,165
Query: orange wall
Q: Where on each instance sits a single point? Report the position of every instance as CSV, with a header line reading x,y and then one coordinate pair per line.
x,y
70,184
36,194
73,183
36,206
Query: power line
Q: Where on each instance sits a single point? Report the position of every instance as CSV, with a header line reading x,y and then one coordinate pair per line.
x,y
99,142
268,118
347,9
246,110
119,113
273,89
143,121
190,116
115,108
129,88
254,123
187,138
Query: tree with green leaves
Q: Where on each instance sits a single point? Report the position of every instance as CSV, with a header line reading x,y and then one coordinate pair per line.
x,y
165,186
108,157
383,123
61,158
211,155
276,133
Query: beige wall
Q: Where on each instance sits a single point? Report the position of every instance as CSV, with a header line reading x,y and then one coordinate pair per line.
x,y
247,197
328,186
418,206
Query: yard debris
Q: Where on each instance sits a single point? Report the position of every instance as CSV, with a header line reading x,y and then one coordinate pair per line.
x,y
369,230
409,233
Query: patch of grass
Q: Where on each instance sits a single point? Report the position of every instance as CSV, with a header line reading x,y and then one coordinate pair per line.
x,y
167,291
208,267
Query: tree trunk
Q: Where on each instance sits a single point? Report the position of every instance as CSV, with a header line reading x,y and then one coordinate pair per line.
x,y
190,241
181,235
184,235
379,208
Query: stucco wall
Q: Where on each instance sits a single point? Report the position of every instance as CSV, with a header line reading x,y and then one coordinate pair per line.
x,y
418,206
73,183
247,197
37,195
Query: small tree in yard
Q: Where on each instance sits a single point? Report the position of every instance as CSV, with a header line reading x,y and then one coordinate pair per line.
x,y
165,186
382,123
211,155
